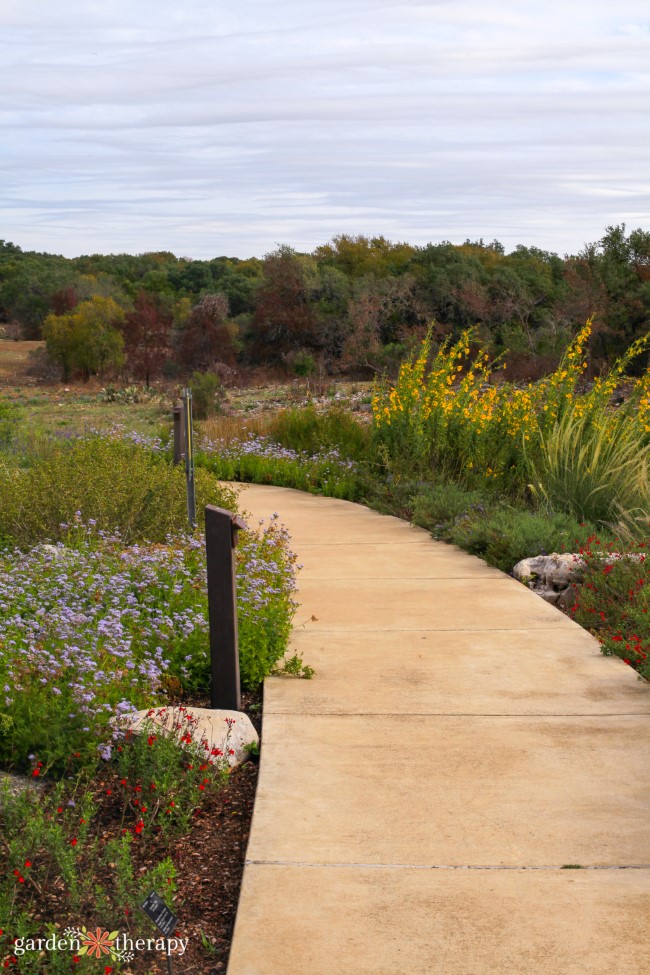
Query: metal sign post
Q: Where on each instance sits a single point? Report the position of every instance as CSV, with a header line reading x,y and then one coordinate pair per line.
x,y
221,528
179,437
156,909
188,433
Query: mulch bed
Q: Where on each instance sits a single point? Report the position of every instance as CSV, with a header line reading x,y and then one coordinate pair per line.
x,y
210,863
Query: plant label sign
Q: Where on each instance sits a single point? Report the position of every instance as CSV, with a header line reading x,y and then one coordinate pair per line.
x,y
156,909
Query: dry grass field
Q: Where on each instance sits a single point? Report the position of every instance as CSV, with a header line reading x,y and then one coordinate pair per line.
x,y
15,360
49,406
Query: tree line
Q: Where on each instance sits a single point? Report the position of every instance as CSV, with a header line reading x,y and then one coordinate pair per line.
x,y
355,305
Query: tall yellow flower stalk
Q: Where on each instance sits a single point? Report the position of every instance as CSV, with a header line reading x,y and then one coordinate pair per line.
x,y
455,413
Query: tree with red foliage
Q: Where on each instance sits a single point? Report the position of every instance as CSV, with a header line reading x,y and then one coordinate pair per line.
x,y
64,300
147,331
283,319
206,338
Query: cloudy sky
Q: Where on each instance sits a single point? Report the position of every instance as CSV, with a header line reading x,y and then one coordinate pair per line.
x,y
210,128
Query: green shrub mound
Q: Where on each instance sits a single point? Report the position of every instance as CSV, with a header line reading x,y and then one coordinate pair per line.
x,y
113,482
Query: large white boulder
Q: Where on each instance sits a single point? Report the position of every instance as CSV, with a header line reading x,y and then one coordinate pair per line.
x,y
229,731
551,576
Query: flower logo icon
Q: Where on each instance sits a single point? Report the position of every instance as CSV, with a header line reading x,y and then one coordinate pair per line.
x,y
97,944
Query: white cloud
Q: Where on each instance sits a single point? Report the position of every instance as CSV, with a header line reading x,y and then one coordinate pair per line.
x,y
214,128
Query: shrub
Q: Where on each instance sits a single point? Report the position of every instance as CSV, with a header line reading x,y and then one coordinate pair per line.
x,y
311,432
504,536
437,506
116,483
614,600
301,363
207,394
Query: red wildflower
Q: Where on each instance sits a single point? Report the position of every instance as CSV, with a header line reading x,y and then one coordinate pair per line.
x,y
74,842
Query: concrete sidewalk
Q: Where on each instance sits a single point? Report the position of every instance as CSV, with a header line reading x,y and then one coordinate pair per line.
x,y
461,743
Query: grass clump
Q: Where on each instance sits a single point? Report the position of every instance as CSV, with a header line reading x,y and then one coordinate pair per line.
x,y
310,431
595,468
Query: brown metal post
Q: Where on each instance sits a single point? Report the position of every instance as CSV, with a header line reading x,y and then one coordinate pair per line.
x,y
177,414
221,529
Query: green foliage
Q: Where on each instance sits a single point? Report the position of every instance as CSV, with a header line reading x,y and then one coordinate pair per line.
x,y
320,474
94,628
294,667
265,600
173,762
503,536
614,599
207,394
115,483
355,302
302,363
86,340
311,431
451,417
8,418
82,845
438,506
594,466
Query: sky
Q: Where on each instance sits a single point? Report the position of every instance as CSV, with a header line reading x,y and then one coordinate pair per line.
x,y
208,128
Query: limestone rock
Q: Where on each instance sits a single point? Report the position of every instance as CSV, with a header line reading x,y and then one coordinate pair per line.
x,y
230,731
15,784
551,576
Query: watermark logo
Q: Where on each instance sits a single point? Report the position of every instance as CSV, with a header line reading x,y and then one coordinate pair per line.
x,y
100,944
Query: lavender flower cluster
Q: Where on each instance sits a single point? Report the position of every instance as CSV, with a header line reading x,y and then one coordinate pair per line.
x,y
91,628
259,446
119,432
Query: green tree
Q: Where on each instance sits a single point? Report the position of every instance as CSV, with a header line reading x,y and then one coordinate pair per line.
x,y
86,340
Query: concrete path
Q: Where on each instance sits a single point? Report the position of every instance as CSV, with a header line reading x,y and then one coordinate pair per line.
x,y
461,743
